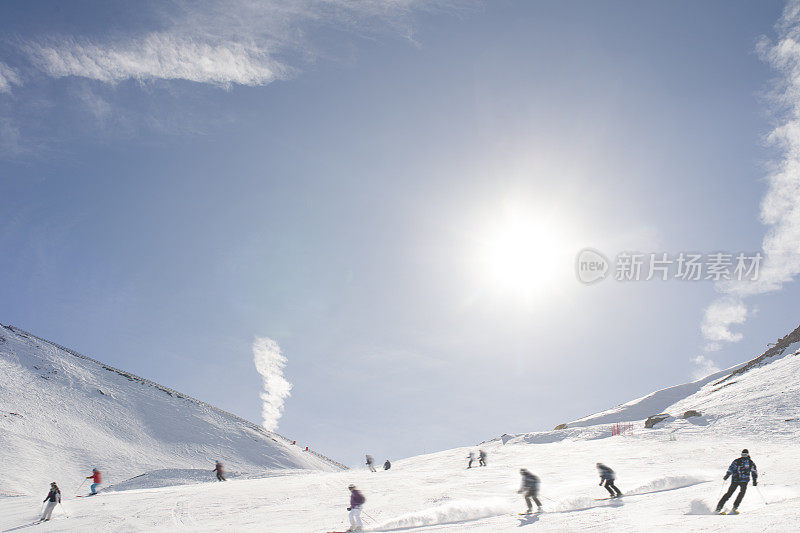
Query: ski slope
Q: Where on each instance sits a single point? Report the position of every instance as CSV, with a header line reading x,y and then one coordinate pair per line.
x,y
62,415
671,475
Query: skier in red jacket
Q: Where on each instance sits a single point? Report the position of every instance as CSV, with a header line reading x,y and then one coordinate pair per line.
x,y
97,477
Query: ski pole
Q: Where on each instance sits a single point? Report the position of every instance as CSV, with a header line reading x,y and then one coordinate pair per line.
x,y
79,486
368,516
721,489
762,496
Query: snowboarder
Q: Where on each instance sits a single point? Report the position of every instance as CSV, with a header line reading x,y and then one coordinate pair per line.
x,y
481,457
607,477
371,463
53,498
530,488
387,465
356,501
740,471
220,472
97,477
471,458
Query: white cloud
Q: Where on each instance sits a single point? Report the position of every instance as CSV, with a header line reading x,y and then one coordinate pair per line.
x,y
780,206
269,361
8,77
720,316
705,367
160,55
10,144
244,42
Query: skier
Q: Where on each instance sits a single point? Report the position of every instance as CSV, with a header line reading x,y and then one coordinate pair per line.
x,y
356,501
741,469
97,477
219,471
481,457
53,498
530,488
471,458
387,465
371,463
607,477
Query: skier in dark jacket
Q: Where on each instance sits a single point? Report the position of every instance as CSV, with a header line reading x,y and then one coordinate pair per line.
x,y
740,471
530,488
356,501
607,478
387,465
481,457
220,472
471,458
53,498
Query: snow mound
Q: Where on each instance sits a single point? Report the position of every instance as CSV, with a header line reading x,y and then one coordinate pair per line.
x,y
454,512
666,483
699,507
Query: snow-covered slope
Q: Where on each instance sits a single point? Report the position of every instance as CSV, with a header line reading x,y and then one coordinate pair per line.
x,y
707,395
671,475
62,414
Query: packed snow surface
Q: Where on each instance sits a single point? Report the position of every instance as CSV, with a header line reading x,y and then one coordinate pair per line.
x,y
671,476
62,415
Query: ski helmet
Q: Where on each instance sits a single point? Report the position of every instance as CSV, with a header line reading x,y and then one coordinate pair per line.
x,y
745,453
351,487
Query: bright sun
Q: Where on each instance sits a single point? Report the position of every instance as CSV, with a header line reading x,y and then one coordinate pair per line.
x,y
523,254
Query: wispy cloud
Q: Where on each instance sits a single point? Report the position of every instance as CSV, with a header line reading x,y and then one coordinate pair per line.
x,y
204,42
705,367
269,361
160,56
244,42
8,78
780,207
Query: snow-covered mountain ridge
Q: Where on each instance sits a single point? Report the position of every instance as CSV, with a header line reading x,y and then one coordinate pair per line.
x,y
62,413
762,393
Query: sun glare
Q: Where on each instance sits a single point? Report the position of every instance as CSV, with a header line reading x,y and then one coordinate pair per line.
x,y
523,254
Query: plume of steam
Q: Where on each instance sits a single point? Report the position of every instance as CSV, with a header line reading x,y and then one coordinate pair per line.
x,y
269,361
780,207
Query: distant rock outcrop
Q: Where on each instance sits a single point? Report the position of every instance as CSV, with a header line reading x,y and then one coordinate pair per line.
x,y
655,419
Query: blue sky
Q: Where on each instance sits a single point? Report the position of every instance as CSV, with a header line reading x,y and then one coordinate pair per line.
x,y
176,181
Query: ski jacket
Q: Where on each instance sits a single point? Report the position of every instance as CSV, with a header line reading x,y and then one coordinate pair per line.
x,y
741,469
606,472
356,498
96,477
530,482
53,496
387,465
218,468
